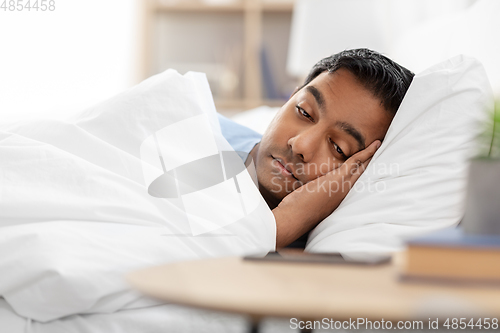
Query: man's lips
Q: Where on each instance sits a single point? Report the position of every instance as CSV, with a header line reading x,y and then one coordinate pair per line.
x,y
283,166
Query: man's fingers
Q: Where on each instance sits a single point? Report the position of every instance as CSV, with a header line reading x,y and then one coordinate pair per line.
x,y
357,160
357,170
366,153
356,164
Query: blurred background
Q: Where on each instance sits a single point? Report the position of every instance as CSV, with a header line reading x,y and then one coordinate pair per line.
x,y
254,52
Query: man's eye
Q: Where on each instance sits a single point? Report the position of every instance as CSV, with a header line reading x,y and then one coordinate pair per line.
x,y
303,112
338,149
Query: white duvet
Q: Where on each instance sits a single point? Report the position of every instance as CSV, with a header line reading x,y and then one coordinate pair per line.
x,y
75,212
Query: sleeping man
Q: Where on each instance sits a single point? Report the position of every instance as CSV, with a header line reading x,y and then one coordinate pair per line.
x,y
77,213
323,138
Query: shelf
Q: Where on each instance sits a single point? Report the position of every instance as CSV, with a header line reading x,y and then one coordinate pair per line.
x,y
193,6
283,7
253,15
198,6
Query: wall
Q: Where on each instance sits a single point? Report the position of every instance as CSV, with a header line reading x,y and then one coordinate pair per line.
x,y
53,62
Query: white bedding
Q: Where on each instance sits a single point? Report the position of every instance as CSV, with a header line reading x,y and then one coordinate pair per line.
x,y
154,319
165,318
76,215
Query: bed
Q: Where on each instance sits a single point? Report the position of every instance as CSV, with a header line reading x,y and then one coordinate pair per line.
x,y
77,215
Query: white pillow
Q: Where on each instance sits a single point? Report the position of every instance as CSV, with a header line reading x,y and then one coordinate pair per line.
x,y
416,181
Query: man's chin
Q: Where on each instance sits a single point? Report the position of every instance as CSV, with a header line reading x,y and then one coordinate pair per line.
x,y
275,193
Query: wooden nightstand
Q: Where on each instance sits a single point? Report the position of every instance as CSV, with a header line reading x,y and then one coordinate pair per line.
x,y
312,291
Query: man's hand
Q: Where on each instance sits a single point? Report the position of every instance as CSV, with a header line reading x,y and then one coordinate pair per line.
x,y
308,205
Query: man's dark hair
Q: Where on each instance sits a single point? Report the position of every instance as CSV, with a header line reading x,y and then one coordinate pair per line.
x,y
386,79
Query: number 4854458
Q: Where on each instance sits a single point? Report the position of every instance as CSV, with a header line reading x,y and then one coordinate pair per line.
x,y
463,323
28,5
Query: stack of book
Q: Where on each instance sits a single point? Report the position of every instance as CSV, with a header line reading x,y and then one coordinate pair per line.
x,y
453,255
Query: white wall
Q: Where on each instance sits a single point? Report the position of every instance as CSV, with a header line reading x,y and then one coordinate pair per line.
x,y
474,31
55,62
323,27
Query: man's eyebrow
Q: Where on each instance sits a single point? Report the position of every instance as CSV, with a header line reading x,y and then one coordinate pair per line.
x,y
349,129
318,96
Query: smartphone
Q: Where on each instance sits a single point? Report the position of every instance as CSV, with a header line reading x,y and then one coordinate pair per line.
x,y
299,256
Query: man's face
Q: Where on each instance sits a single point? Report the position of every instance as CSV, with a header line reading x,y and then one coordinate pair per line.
x,y
321,126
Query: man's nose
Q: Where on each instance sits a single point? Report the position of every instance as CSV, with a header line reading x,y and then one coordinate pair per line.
x,y
306,144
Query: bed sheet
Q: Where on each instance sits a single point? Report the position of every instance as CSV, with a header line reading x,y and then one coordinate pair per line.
x,y
9,320
161,318
155,319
